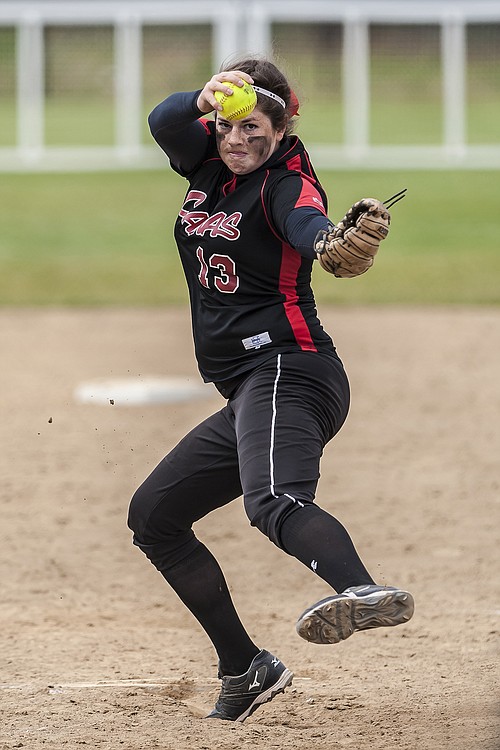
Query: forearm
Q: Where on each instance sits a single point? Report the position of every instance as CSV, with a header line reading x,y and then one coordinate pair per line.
x,y
175,127
302,226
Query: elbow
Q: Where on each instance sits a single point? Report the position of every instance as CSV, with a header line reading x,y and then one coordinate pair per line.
x,y
154,121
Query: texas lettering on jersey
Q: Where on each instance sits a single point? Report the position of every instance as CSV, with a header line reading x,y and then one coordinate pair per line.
x,y
201,223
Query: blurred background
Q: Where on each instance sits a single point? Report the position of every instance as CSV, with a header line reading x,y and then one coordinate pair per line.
x,y
393,94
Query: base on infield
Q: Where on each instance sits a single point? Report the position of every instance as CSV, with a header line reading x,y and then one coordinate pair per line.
x,y
140,391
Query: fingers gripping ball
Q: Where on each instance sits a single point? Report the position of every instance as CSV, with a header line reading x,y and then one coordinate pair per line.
x,y
239,104
349,249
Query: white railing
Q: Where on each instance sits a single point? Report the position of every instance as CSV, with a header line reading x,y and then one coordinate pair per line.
x,y
241,25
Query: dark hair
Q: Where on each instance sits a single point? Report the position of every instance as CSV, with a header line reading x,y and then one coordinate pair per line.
x,y
266,75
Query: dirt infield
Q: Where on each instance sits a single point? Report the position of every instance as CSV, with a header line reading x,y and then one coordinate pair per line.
x,y
96,651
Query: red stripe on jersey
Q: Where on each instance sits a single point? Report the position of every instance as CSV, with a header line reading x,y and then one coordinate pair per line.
x,y
290,265
263,203
289,271
230,186
308,162
309,196
293,142
295,163
205,125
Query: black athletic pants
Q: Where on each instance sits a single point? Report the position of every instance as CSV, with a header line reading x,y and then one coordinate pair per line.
x,y
266,445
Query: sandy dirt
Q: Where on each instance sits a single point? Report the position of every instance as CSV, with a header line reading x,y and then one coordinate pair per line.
x,y
96,651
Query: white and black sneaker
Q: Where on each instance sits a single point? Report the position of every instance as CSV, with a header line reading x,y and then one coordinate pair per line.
x,y
357,608
241,695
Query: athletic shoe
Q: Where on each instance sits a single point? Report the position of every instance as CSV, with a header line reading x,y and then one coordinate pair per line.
x,y
358,608
240,696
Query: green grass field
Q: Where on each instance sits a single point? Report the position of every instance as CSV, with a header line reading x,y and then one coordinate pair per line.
x,y
106,239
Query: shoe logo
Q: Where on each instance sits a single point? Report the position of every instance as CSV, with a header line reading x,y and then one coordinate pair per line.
x,y
255,683
314,565
350,594
275,661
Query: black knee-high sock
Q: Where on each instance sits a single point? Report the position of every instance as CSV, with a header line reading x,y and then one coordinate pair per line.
x,y
199,582
319,541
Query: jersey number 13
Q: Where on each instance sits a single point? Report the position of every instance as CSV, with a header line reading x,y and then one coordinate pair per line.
x,y
223,276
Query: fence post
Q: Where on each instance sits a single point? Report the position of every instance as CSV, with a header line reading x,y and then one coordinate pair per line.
x,y
258,29
226,34
356,84
30,87
128,83
453,57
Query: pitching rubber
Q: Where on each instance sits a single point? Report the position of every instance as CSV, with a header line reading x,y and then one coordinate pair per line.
x,y
336,618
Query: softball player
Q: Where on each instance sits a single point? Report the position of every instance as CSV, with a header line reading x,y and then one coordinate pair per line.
x,y
253,221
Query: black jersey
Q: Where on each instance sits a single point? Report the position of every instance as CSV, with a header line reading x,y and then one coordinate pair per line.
x,y
249,290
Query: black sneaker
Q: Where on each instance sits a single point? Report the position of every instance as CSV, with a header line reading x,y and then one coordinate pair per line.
x,y
241,695
358,608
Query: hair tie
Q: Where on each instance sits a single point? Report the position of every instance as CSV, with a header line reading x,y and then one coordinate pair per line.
x,y
294,104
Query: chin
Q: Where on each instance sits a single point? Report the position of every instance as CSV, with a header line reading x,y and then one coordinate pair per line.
x,y
242,170
238,168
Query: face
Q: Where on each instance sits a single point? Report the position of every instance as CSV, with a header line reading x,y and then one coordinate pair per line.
x,y
244,145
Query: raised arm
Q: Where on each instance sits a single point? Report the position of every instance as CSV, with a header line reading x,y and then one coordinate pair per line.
x,y
175,124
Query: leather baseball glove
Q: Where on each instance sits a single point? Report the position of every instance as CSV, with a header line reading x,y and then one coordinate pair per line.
x,y
348,249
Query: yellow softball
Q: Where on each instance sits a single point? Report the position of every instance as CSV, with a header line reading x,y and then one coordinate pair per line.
x,y
239,104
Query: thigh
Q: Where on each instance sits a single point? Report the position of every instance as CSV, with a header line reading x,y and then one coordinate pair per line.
x,y
285,413
197,476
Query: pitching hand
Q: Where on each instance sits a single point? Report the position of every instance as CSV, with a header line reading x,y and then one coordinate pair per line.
x,y
207,102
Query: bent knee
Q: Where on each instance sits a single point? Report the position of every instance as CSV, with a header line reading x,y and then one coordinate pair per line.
x,y
267,516
269,513
139,511
164,542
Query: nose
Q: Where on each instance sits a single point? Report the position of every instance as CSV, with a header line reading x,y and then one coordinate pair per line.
x,y
235,136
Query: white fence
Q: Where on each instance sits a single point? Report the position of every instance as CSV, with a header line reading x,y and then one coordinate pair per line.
x,y
240,26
